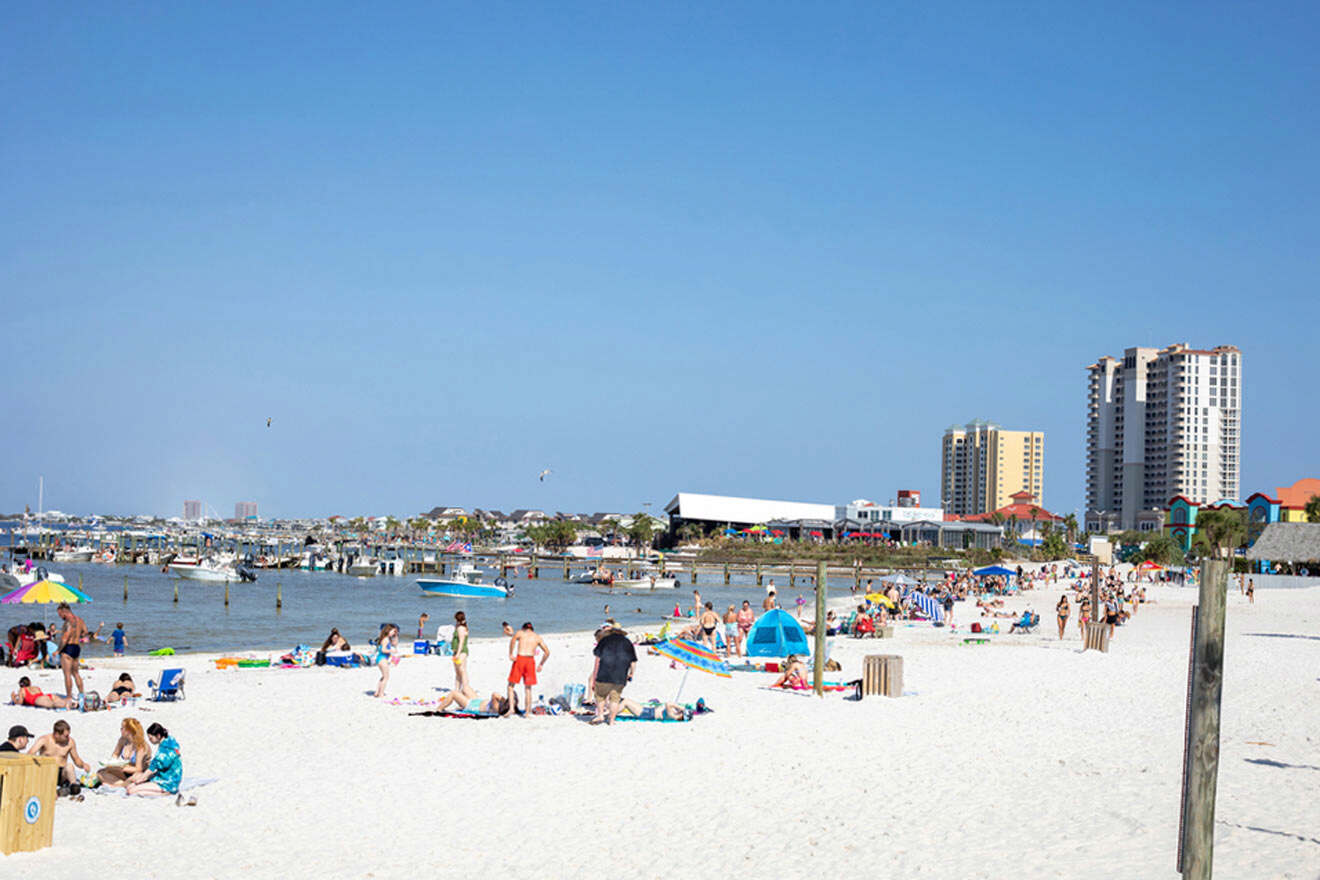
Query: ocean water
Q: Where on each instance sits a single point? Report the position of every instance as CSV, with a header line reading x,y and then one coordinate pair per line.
x,y
313,602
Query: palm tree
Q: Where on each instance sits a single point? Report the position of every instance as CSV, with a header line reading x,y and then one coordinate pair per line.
x,y
391,525
1313,509
1070,525
1219,533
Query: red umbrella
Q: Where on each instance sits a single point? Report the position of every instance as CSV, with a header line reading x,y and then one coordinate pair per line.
x,y
817,535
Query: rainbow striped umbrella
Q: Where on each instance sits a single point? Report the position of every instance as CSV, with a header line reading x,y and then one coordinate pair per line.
x,y
693,656
45,592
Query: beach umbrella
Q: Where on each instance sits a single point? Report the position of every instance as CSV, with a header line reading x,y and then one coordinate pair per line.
x,y
693,656
994,571
45,592
1150,565
880,599
928,606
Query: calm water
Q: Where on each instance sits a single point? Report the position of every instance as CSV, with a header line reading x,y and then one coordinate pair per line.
x,y
316,601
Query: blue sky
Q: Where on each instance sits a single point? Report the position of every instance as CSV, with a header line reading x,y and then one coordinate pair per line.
x,y
761,249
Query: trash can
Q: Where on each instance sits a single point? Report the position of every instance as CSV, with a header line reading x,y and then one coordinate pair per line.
x,y
27,802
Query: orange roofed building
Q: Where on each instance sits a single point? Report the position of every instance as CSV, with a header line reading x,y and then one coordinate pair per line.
x,y
1022,515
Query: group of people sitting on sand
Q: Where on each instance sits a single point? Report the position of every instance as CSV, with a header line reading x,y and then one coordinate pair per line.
x,y
147,763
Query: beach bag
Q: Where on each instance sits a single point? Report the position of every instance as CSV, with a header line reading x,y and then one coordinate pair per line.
x,y
320,658
976,627
91,702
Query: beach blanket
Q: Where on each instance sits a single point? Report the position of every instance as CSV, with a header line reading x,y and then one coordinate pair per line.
x,y
828,687
657,720
187,784
455,713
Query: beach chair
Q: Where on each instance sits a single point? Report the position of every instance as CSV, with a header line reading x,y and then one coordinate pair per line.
x,y
1028,623
168,687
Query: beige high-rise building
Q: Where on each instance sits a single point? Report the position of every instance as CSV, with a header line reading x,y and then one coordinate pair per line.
x,y
982,465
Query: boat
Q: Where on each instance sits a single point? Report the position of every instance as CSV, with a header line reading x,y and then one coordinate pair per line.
x,y
73,554
362,567
653,582
213,569
466,583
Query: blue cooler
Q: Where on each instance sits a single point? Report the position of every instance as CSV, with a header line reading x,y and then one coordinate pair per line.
x,y
421,646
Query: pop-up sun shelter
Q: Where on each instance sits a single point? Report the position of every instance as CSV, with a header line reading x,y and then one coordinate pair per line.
x,y
776,634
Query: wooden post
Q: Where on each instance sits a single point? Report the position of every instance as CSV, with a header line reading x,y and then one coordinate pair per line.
x,y
818,664
125,588
1201,751
792,575
1095,590
565,568
279,596
80,583
758,573
176,591
226,594
504,567
694,571
726,574
662,565
533,570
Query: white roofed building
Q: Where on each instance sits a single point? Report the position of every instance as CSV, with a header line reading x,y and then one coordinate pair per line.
x,y
727,511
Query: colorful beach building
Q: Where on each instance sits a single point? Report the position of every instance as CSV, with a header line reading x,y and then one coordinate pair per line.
x,y
1287,504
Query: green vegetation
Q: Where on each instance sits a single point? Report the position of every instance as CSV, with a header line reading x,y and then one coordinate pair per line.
x,y
1313,509
554,535
1162,549
1219,533
642,531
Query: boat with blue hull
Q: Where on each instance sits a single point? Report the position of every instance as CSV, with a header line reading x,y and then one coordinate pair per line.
x,y
466,583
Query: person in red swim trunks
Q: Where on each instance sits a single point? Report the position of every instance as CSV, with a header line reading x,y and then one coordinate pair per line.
x,y
522,651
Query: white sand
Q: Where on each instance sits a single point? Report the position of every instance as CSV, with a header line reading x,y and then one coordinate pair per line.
x,y
1024,758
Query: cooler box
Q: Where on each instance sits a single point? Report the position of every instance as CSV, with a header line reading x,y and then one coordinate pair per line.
x,y
27,802
421,647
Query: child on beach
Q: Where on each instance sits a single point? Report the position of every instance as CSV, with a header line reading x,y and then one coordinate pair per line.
x,y
387,649
119,639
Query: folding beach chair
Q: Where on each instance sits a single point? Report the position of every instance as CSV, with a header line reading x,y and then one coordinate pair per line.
x,y
168,687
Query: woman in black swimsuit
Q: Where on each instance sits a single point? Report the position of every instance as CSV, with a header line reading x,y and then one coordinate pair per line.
x,y
1063,609
122,690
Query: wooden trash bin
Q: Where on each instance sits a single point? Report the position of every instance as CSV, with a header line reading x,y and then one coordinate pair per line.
x,y
1097,637
884,632
27,802
882,675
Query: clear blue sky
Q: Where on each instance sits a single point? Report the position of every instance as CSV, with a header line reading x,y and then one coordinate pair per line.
x,y
759,249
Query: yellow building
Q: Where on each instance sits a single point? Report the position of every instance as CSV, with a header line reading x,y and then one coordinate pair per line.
x,y
982,465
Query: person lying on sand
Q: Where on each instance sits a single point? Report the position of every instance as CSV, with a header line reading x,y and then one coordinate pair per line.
x,y
27,695
495,704
122,690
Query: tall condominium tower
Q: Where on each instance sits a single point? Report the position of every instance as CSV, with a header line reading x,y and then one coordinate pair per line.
x,y
245,510
982,465
1160,423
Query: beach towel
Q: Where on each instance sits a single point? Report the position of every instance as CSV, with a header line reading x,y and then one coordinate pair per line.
x,y
455,713
653,719
186,784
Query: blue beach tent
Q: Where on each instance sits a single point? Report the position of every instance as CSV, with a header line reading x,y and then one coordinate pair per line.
x,y
776,634
994,571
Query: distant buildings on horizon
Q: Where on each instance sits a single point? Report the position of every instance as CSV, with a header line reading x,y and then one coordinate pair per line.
x,y
982,466
1161,423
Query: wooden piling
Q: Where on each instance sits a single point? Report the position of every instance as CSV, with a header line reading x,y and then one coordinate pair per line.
x,y
792,575
125,588
726,574
818,662
1201,751
759,579
694,571
226,594
176,592
279,596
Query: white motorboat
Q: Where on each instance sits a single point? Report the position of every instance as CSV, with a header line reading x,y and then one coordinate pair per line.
x,y
652,582
73,554
213,569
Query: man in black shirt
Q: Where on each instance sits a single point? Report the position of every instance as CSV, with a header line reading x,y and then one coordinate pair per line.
x,y
615,661
16,733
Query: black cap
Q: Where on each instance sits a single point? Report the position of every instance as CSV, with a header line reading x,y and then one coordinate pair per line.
x,y
19,730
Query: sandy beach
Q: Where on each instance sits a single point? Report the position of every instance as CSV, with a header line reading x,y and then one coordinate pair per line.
x,y
1021,758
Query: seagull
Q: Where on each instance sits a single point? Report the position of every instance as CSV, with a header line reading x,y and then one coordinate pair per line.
x,y
543,475
267,423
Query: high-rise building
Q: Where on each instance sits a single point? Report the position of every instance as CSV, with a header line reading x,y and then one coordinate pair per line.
x,y
245,510
1160,423
982,465
192,511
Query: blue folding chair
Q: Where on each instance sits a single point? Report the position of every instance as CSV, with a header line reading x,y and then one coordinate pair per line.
x,y
168,687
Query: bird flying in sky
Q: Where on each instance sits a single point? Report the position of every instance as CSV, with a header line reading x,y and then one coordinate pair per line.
x,y
267,423
544,474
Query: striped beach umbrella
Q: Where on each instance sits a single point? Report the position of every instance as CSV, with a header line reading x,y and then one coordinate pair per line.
x,y
45,592
928,606
693,656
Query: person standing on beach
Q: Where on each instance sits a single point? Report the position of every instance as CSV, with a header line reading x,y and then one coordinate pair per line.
x,y
459,648
732,644
120,639
522,653
387,648
71,637
770,587
1063,609
769,602
616,659
709,622
696,603
421,625
1251,591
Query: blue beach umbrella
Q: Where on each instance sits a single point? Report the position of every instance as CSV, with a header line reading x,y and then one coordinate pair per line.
x,y
994,571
